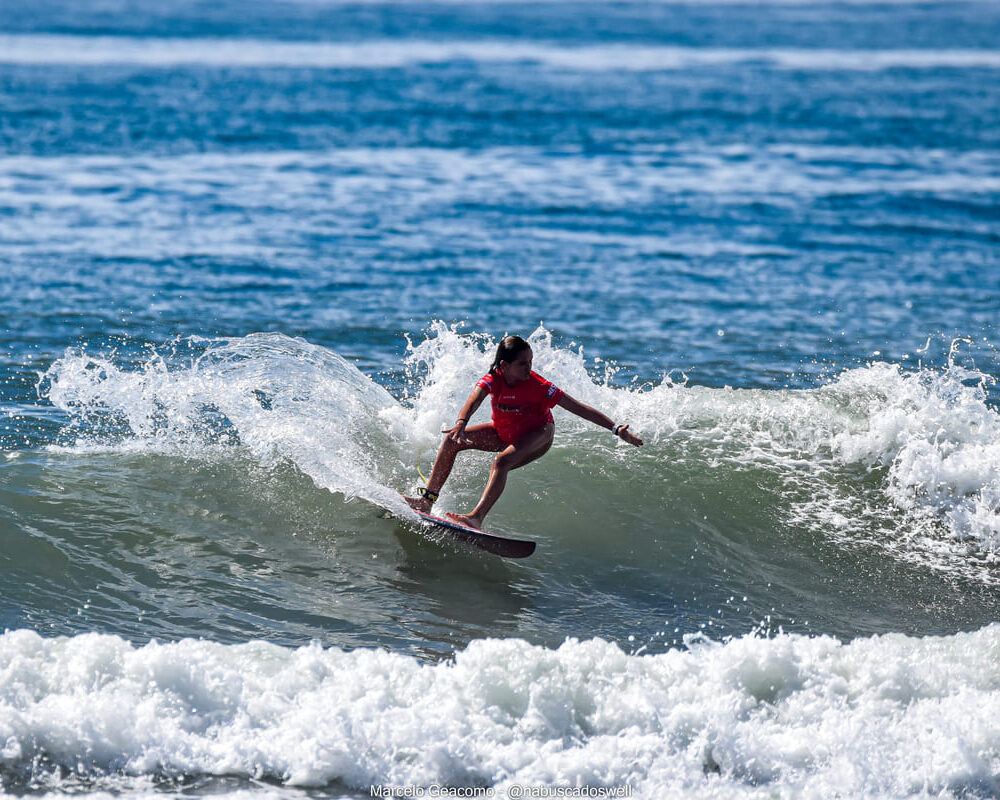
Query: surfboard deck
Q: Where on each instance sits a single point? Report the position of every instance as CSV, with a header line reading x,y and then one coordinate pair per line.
x,y
490,542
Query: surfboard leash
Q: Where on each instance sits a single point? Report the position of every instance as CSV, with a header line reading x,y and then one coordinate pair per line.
x,y
423,491
420,453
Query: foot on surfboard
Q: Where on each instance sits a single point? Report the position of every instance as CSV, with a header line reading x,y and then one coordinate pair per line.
x,y
464,519
491,542
421,504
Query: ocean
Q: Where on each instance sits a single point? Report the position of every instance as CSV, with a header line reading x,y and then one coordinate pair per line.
x,y
254,256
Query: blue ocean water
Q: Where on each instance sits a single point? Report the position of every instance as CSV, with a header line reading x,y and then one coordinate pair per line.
x,y
253,257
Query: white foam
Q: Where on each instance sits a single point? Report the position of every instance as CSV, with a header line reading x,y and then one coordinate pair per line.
x,y
57,49
927,434
938,439
889,716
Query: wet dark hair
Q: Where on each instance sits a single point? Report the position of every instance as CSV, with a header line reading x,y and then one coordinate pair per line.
x,y
510,347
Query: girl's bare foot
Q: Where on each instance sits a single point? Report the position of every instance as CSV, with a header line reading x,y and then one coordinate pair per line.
x,y
467,521
421,504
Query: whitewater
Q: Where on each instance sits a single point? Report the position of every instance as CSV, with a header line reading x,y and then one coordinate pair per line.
x,y
790,715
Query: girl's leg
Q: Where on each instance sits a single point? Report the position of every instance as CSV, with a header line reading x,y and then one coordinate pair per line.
x,y
525,450
477,437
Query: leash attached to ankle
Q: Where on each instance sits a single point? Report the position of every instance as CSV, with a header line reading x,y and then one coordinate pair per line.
x,y
427,494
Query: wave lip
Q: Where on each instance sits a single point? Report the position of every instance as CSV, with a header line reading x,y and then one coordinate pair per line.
x,y
889,716
75,50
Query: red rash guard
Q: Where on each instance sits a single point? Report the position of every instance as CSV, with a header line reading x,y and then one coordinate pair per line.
x,y
520,409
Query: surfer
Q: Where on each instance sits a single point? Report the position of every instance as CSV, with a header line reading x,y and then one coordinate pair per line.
x,y
521,429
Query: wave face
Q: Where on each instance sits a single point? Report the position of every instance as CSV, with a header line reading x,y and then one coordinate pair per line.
x,y
907,460
889,716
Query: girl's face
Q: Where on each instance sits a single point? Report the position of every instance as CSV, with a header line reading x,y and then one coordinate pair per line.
x,y
518,370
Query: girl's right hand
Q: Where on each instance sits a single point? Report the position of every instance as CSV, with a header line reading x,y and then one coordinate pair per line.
x,y
628,436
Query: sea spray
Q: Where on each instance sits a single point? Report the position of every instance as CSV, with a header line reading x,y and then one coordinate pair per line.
x,y
282,399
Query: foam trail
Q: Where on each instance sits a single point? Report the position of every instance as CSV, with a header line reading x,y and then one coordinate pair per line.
x,y
74,50
889,716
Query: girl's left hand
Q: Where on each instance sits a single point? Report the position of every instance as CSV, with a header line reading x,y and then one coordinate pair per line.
x,y
627,435
457,433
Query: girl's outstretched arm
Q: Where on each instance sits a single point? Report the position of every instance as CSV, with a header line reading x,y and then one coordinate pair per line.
x,y
595,416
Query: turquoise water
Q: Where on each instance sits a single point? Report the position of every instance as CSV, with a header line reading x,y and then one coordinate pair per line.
x,y
254,256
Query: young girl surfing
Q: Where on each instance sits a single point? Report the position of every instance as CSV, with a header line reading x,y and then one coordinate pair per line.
x,y
521,430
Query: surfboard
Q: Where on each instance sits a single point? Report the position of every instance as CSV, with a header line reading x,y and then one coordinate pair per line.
x,y
490,542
